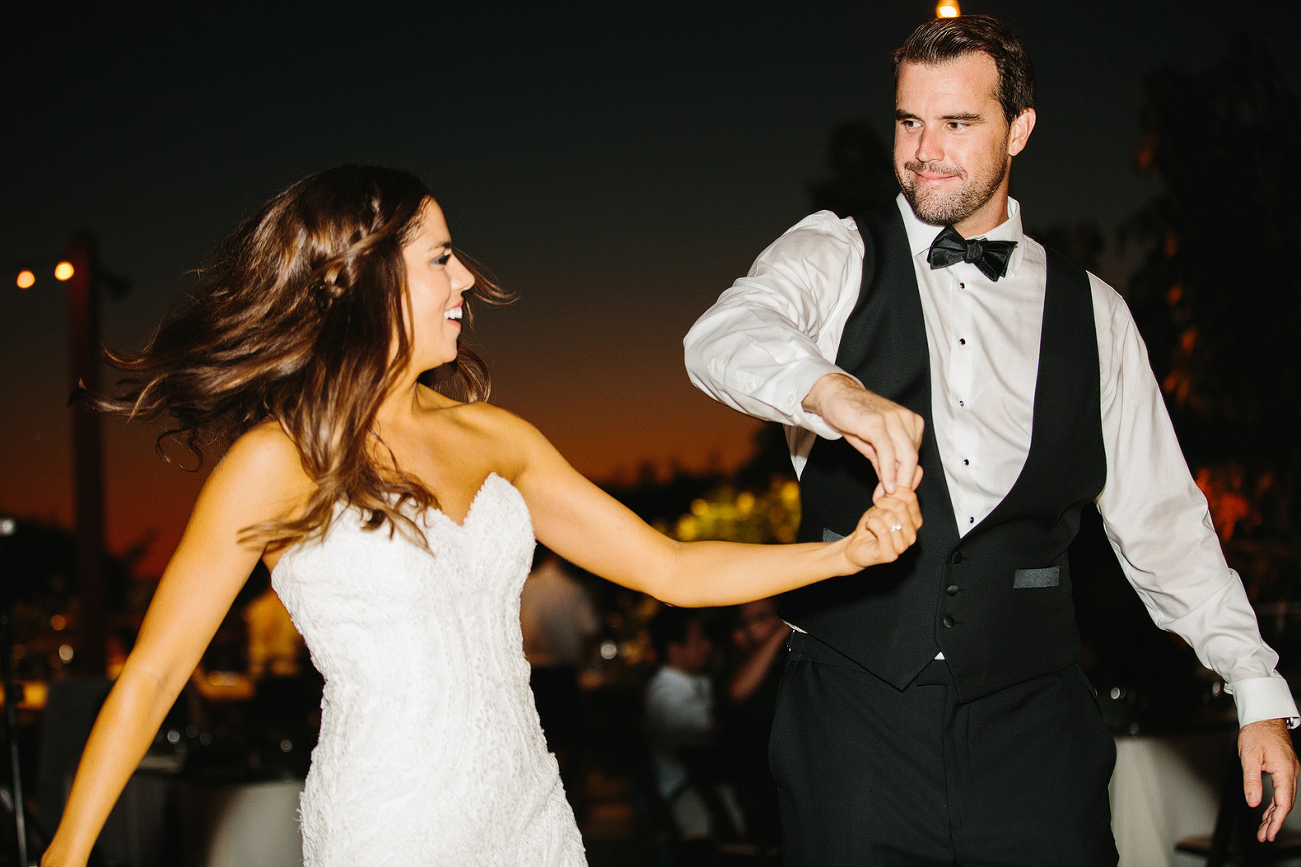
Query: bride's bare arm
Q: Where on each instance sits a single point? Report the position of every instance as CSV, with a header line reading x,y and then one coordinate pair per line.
x,y
585,525
258,480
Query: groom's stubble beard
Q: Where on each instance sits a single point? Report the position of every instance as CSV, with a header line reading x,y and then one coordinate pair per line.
x,y
940,209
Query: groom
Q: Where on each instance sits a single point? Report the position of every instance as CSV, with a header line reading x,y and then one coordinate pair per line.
x,y
932,711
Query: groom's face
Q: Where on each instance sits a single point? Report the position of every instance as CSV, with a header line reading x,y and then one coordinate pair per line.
x,y
951,141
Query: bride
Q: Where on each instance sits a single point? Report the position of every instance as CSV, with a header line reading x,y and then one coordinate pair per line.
x,y
398,521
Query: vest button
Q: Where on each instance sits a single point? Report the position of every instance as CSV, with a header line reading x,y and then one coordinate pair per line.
x,y
948,621
957,556
952,589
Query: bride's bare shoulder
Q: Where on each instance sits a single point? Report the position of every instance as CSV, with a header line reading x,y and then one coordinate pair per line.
x,y
267,455
496,426
496,433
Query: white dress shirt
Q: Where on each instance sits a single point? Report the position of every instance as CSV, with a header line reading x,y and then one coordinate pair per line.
x,y
776,332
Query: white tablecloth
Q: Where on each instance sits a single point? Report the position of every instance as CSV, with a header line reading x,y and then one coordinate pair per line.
x,y
1167,788
248,825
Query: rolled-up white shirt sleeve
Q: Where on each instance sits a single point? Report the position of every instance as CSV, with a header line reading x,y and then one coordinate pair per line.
x,y
1160,526
776,331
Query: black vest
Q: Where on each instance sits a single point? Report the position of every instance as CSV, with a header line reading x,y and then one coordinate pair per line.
x,y
997,601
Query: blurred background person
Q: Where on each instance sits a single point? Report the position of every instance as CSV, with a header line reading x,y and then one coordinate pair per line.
x,y
285,714
559,625
681,725
275,649
759,637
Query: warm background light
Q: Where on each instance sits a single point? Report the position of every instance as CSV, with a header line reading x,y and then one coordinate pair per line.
x,y
63,271
947,9
26,279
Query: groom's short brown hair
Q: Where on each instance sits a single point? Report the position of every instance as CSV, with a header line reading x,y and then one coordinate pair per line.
x,y
943,39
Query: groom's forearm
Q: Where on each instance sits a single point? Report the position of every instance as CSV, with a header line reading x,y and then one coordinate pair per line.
x,y
752,361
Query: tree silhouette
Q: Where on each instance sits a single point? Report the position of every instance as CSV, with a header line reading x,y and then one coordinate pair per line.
x,y
1217,294
862,175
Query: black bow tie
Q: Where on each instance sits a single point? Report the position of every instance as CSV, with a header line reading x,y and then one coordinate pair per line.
x,y
991,257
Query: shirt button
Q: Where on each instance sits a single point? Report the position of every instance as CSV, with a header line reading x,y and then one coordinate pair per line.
x,y
971,520
952,589
962,403
948,621
962,285
966,462
957,556
962,341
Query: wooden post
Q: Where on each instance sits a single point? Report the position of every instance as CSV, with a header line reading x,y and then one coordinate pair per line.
x,y
87,455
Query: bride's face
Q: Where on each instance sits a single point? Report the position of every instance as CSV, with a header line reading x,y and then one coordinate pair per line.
x,y
436,286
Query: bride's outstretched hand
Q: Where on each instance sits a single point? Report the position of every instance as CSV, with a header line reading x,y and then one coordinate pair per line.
x,y
886,530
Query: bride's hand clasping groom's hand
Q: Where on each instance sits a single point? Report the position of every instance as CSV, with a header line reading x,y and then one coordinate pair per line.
x,y
887,529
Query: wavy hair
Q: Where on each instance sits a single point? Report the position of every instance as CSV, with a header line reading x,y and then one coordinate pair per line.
x,y
296,319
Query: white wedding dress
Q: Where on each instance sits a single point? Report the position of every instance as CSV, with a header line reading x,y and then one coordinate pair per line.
x,y
430,749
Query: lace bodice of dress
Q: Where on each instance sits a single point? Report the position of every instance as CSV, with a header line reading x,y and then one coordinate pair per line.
x,y
430,750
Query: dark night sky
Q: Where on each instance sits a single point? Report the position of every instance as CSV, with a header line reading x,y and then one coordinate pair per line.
x,y
616,166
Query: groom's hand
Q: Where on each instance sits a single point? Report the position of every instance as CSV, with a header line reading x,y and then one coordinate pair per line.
x,y
1267,746
886,433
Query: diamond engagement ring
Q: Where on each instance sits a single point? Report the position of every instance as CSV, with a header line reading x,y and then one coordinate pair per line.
x,y
898,525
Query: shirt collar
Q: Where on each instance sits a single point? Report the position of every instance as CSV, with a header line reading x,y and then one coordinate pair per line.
x,y
922,235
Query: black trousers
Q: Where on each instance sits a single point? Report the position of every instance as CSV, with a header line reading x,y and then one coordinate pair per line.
x,y
869,775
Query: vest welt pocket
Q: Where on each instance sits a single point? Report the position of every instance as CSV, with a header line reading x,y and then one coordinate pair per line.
x,y
1025,579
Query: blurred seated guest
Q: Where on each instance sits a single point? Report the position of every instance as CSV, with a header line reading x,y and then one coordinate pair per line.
x,y
559,624
284,718
680,722
759,636
275,649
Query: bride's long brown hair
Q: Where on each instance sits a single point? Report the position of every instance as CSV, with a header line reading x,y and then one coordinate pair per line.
x,y
296,319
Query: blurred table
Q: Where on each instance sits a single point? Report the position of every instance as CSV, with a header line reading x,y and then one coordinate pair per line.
x,y
1167,787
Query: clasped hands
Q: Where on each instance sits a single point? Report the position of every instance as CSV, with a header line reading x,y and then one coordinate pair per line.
x,y
889,436
886,530
886,433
